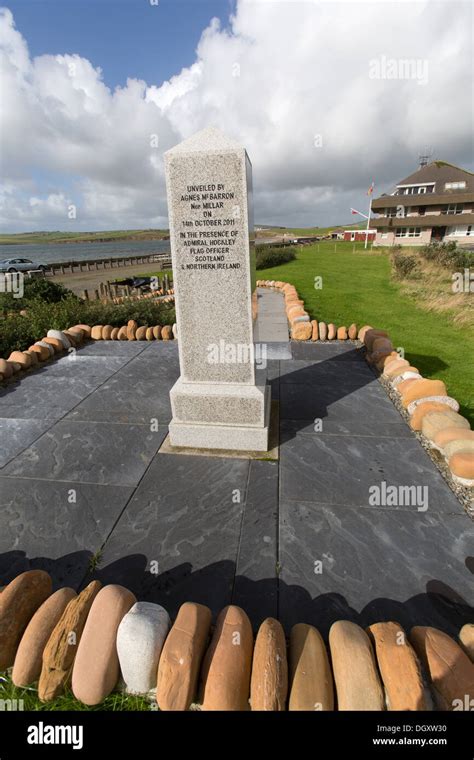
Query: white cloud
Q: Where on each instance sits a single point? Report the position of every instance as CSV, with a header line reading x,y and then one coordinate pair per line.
x,y
291,80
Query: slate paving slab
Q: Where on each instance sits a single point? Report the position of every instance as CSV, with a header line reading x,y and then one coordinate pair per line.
x,y
56,526
44,391
127,399
256,581
17,434
77,365
225,530
341,470
113,348
351,425
376,565
89,452
339,401
186,515
340,350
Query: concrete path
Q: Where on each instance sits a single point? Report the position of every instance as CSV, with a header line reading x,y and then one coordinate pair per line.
x,y
81,478
271,328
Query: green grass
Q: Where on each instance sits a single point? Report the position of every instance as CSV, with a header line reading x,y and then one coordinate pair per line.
x,y
115,702
46,238
358,287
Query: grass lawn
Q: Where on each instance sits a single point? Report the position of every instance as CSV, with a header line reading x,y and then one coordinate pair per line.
x,y
358,287
116,701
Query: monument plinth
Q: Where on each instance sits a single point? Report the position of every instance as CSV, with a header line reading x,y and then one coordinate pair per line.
x,y
216,402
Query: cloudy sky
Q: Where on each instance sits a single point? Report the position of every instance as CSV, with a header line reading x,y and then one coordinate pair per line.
x,y
326,96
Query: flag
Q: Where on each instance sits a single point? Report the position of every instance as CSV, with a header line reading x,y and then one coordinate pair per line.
x,y
371,188
354,211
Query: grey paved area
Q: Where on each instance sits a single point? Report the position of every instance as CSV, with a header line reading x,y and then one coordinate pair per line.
x,y
81,478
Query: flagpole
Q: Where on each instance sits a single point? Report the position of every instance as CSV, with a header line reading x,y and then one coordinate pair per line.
x,y
368,222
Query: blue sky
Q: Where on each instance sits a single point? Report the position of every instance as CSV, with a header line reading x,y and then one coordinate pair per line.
x,y
301,84
126,38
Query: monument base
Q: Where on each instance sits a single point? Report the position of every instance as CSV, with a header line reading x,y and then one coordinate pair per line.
x,y
231,417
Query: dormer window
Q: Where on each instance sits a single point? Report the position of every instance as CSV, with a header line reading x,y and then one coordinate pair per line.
x,y
454,185
415,189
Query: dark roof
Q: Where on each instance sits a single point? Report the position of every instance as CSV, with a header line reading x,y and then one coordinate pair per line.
x,y
440,172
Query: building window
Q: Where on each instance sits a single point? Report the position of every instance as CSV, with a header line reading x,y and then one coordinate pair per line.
x,y
454,185
421,210
408,232
454,208
384,235
461,230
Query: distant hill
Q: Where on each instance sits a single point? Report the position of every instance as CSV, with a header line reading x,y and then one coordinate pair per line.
x,y
103,236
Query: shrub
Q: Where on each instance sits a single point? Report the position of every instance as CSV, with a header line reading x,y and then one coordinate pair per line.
x,y
267,256
19,332
35,290
447,255
403,265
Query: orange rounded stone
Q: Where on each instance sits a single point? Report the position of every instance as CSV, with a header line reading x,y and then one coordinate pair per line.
x,y
29,657
140,333
398,666
269,681
21,358
301,331
461,465
310,674
422,389
228,661
451,433
61,648
405,384
363,331
342,333
425,409
355,671
466,637
96,667
107,332
181,657
448,667
395,368
18,603
96,332
167,332
6,369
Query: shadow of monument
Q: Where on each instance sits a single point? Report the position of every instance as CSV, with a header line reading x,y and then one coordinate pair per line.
x,y
216,586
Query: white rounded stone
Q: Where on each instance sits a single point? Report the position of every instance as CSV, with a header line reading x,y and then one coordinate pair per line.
x,y
406,376
140,639
59,336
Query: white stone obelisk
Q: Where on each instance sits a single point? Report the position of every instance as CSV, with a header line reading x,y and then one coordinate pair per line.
x,y
216,402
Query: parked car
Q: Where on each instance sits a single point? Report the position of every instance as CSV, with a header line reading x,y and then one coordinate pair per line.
x,y
20,265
